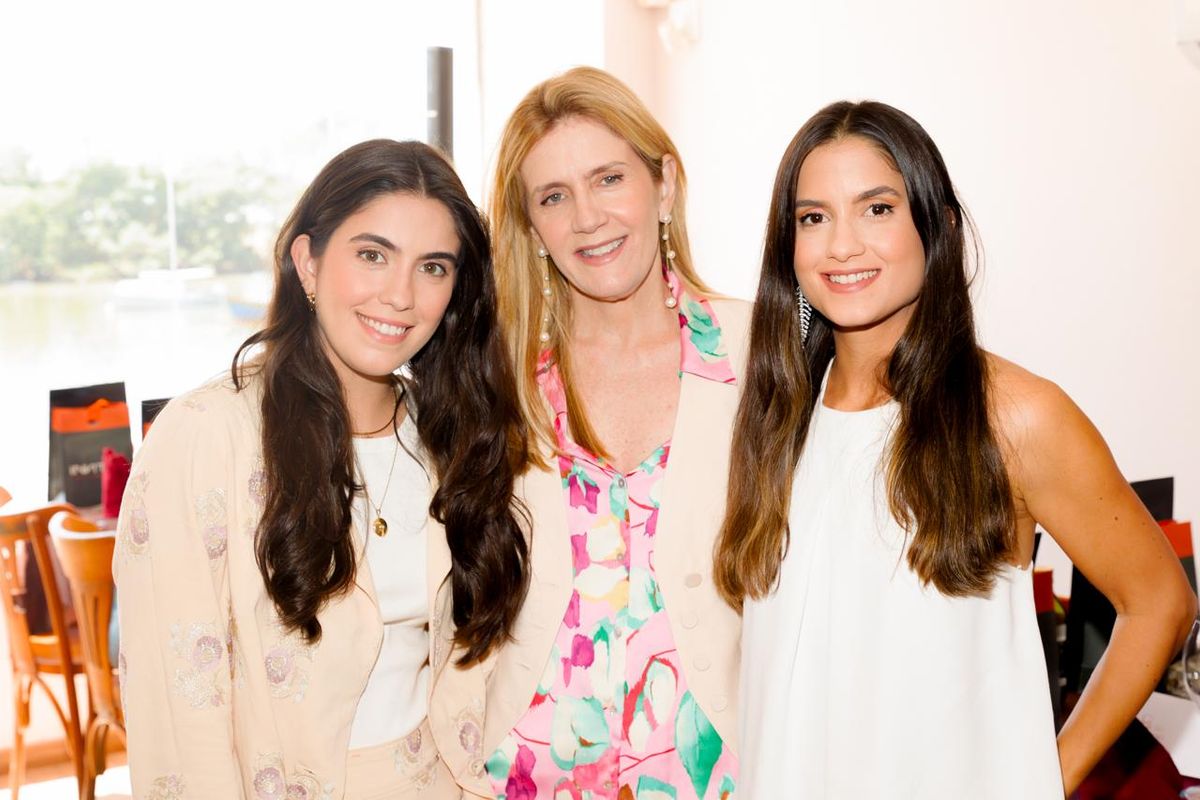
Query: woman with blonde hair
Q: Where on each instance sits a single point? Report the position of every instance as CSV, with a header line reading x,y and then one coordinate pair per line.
x,y
620,676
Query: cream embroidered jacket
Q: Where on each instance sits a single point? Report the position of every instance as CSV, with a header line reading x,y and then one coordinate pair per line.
x,y
220,701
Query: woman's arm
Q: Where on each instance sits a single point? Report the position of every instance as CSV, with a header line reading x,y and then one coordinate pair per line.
x,y
173,600
1065,478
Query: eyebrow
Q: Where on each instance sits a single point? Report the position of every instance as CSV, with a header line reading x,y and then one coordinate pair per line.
x,y
804,202
386,244
590,174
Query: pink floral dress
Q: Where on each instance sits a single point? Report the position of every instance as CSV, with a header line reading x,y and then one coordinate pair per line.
x,y
613,716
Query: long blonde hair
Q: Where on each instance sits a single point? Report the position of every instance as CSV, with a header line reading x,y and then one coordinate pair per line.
x,y
593,94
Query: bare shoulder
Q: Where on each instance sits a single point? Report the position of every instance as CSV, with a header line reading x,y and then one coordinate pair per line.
x,y
1046,437
1028,408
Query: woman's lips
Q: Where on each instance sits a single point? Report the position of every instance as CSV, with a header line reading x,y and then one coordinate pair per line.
x,y
384,330
850,281
601,253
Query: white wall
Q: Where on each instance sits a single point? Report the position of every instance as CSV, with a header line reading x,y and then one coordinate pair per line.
x,y
522,44
1072,130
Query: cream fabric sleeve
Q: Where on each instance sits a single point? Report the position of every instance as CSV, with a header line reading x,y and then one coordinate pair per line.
x,y
174,601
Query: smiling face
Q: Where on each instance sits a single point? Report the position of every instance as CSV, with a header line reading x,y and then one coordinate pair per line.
x,y
859,258
382,284
595,207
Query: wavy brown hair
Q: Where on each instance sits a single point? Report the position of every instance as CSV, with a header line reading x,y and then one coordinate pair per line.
x,y
946,478
596,95
460,385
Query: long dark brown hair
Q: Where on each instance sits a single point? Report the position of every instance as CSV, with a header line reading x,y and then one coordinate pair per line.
x,y
461,387
946,478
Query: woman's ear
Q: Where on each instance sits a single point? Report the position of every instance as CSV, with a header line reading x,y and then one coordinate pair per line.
x,y
537,240
306,265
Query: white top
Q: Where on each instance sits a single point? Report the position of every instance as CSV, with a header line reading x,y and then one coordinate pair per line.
x,y
395,700
865,684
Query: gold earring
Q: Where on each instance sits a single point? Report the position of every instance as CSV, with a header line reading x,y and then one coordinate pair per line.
x,y
312,301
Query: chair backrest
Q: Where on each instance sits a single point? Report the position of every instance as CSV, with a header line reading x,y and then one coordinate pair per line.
x,y
22,532
85,553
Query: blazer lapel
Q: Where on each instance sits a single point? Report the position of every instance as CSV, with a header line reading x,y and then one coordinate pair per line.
x,y
524,659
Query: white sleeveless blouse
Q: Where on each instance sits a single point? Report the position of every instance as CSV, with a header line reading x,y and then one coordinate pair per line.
x,y
858,682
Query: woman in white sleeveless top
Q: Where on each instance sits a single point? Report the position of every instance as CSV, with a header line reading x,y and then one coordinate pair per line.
x,y
885,481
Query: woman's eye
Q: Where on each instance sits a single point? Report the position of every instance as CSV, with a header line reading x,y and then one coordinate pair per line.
x,y
433,268
879,209
552,198
372,256
611,179
811,218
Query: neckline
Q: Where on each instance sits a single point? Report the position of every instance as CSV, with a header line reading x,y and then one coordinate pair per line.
x,y
884,406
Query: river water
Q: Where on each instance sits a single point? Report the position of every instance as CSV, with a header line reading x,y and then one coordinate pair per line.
x,y
62,335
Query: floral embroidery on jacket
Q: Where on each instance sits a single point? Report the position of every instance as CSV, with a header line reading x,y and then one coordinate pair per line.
x,y
167,787
469,724
287,665
204,678
271,782
613,717
213,520
135,525
416,757
258,484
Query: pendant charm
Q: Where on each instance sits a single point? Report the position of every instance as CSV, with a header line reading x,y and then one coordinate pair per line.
x,y
380,526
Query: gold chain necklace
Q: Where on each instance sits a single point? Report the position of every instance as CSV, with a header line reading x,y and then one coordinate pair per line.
x,y
377,430
390,420
380,525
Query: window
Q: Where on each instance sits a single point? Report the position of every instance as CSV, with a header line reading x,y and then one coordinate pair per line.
x,y
148,161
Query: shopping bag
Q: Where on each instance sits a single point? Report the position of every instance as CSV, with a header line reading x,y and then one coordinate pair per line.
x,y
150,409
83,421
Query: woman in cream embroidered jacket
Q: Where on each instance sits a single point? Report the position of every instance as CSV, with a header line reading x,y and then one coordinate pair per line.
x,y
250,621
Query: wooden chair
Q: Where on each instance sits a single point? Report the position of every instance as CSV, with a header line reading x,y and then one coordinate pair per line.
x,y
86,553
36,654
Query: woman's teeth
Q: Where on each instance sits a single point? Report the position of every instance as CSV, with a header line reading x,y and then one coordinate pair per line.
x,y
383,327
854,277
603,249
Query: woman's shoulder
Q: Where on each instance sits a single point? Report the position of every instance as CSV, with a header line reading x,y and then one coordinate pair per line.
x,y
733,318
1028,408
733,313
208,413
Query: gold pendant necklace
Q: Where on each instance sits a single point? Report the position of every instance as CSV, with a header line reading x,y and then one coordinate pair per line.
x,y
380,526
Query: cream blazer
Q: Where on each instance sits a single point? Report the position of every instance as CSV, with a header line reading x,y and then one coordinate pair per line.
x,y
220,701
473,709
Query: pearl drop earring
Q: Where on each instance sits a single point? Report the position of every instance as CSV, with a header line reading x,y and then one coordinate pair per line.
x,y
544,255
669,253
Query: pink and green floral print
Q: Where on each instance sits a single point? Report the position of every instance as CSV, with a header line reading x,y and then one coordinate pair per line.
x,y
613,717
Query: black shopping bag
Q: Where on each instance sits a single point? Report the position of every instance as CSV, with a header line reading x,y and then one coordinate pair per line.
x,y
83,421
150,409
